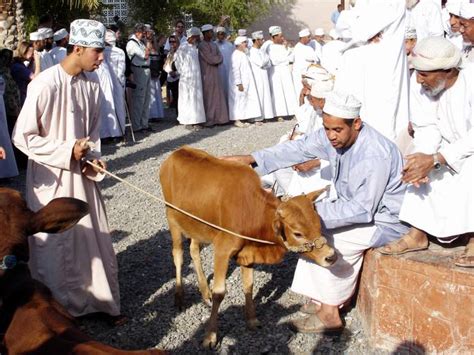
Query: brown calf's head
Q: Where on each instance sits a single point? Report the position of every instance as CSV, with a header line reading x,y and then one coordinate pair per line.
x,y
17,222
298,225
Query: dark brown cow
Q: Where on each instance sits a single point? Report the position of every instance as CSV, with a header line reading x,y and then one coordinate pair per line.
x,y
31,321
229,194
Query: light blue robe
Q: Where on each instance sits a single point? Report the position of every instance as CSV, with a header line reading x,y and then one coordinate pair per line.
x,y
367,177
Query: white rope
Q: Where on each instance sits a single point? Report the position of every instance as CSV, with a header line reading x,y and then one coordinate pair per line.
x,y
177,208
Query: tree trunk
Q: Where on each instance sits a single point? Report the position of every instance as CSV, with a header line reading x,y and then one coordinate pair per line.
x,y
12,29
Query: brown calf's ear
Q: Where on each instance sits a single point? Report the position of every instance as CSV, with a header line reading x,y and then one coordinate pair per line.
x,y
58,215
315,194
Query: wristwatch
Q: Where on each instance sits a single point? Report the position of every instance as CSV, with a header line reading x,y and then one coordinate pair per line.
x,y
436,163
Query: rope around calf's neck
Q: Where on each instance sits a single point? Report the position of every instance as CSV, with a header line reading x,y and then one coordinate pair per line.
x,y
156,198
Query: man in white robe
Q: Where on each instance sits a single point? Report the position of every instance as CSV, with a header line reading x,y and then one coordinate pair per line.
x,y
190,105
61,38
451,22
304,56
260,62
284,98
466,23
439,200
243,97
226,48
8,167
47,37
332,52
366,170
317,43
425,16
58,128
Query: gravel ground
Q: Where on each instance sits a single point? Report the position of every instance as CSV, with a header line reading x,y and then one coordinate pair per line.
x,y
143,247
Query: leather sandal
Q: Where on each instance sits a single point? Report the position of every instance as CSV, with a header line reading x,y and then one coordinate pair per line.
x,y
405,244
313,325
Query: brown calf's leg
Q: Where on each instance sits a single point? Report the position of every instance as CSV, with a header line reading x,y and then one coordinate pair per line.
x,y
178,263
203,286
221,264
247,283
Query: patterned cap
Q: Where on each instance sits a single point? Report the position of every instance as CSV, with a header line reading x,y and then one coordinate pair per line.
x,y
60,34
87,33
46,32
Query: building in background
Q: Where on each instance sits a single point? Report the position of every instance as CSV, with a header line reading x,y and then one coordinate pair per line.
x,y
117,7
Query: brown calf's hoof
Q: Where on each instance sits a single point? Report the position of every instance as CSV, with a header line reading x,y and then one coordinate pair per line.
x,y
210,341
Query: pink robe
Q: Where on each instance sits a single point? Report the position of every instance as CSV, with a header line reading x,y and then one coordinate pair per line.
x,y
215,103
79,265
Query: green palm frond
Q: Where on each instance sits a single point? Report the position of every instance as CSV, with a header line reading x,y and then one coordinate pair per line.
x,y
83,4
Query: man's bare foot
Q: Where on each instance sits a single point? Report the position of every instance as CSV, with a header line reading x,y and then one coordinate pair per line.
x,y
414,240
466,259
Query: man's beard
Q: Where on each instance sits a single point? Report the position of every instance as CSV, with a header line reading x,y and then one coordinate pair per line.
x,y
48,46
440,86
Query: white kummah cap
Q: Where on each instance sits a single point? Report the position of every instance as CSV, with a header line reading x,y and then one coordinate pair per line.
x,y
342,105
87,33
467,10
257,35
60,34
242,32
239,40
207,27
322,83
110,37
435,53
35,36
46,32
334,34
304,33
319,32
193,31
274,30
221,29
410,33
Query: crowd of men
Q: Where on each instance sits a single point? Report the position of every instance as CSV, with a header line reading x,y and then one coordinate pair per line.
x,y
396,78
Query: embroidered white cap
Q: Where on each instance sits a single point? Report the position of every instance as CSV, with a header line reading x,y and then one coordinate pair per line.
x,y
35,36
221,29
46,32
193,31
60,34
239,40
304,33
242,32
207,27
319,32
87,33
275,30
342,105
257,35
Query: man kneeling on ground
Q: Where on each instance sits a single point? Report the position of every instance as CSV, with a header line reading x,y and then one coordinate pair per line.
x,y
366,170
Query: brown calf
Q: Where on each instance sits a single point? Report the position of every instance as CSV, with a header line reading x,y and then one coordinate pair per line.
x,y
31,321
229,194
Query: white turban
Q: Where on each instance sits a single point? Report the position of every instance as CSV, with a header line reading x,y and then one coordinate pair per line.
x,y
46,32
454,6
342,105
60,34
87,33
410,33
240,39
193,31
274,30
207,28
221,29
304,33
322,82
435,53
242,32
334,34
467,10
257,35
110,37
319,32
35,36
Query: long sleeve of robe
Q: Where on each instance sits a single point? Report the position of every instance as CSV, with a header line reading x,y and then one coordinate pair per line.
x,y
367,176
79,265
260,62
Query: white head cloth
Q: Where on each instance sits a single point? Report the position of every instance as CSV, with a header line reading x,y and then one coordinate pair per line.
x,y
334,34
110,37
342,105
319,32
46,32
371,21
257,35
240,39
60,34
435,53
242,32
87,33
304,33
410,33
207,27
35,36
467,10
221,29
193,31
320,80
454,6
274,30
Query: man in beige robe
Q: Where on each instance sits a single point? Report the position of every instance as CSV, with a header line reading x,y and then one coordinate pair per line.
x,y
215,103
58,129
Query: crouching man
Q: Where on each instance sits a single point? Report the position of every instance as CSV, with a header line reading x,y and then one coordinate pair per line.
x,y
366,170
439,200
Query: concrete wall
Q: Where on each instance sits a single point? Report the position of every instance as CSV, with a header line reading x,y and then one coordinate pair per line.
x,y
294,15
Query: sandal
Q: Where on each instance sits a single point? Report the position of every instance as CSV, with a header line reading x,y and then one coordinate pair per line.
x,y
310,308
313,325
401,246
464,260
